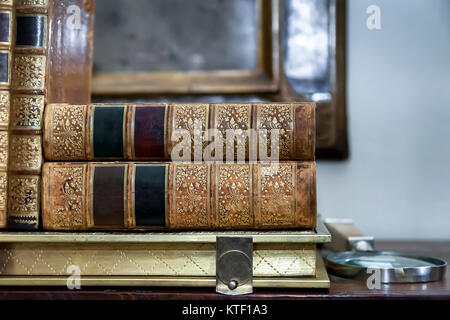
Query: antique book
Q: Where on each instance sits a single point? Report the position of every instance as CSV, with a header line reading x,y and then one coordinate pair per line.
x,y
177,195
52,62
7,14
189,131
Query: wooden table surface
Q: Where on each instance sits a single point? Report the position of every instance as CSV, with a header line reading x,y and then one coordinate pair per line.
x,y
340,288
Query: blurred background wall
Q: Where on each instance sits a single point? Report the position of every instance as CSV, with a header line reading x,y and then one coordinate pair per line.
x,y
396,183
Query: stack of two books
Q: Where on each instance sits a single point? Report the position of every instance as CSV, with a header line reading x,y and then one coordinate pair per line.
x,y
121,179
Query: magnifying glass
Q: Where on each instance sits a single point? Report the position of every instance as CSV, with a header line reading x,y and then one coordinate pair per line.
x,y
362,259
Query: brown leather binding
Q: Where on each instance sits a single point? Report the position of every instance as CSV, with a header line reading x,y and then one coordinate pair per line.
x,y
55,70
71,130
197,196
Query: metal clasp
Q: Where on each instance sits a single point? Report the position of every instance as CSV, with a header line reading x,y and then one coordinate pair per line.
x,y
234,265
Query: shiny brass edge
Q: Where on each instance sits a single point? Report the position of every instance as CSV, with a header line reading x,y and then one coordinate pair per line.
x,y
311,236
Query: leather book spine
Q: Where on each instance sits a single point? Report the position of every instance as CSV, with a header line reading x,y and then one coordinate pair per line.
x,y
104,132
179,196
52,59
27,107
7,40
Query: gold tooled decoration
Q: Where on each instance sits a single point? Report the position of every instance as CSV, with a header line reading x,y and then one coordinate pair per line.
x,y
68,132
68,197
185,116
4,149
276,192
191,197
233,195
4,108
280,117
27,112
236,117
31,3
7,2
3,190
25,153
23,198
29,72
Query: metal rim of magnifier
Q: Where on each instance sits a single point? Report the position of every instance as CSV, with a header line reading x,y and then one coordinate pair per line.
x,y
388,275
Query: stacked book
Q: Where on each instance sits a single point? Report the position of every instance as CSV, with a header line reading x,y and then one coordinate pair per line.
x,y
146,189
139,194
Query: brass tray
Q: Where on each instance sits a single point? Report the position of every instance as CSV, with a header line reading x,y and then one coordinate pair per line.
x,y
280,258
319,281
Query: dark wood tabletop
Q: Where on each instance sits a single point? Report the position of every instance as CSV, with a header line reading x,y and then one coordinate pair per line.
x,y
341,289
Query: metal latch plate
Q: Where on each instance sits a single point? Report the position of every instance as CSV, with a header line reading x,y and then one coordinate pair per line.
x,y
234,265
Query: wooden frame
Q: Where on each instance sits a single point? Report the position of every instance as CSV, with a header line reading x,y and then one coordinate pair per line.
x,y
263,79
331,114
268,82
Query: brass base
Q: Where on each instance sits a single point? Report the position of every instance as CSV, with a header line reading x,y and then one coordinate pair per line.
x,y
320,281
286,259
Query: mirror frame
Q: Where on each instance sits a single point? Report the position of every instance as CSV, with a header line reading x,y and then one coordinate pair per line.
x,y
263,79
267,82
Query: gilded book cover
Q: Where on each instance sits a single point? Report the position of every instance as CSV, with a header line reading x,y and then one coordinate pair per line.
x,y
180,131
82,196
51,64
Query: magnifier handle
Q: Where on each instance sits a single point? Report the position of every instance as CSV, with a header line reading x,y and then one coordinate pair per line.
x,y
345,237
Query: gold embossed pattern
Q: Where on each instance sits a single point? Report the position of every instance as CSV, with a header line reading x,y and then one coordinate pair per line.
x,y
31,3
68,134
3,192
186,117
68,203
276,192
29,72
233,196
236,117
148,260
26,153
4,143
277,117
4,108
190,196
27,112
23,206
